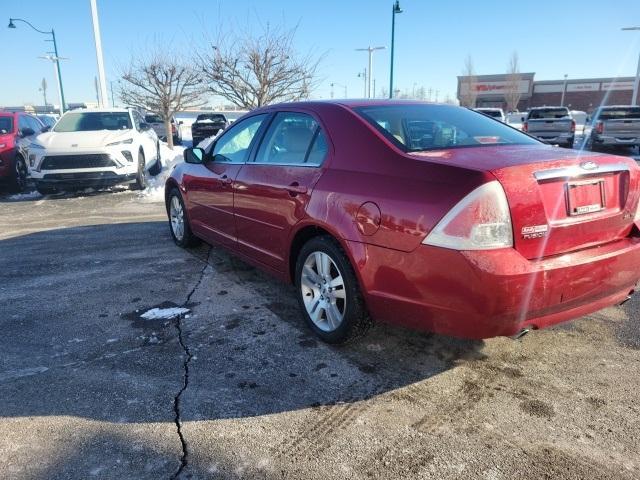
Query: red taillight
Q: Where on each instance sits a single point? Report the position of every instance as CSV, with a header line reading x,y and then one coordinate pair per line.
x,y
573,126
525,127
480,221
600,127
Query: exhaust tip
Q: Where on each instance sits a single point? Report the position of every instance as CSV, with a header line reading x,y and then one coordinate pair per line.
x,y
521,334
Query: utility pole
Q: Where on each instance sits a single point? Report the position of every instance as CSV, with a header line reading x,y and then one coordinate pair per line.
x,y
370,50
102,100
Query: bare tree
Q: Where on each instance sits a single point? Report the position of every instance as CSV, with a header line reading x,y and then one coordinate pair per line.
x,y
160,83
255,69
469,85
512,88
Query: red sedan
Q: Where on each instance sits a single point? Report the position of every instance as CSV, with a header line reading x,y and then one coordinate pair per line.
x,y
431,216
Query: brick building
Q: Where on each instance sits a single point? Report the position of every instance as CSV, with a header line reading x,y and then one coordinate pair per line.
x,y
579,94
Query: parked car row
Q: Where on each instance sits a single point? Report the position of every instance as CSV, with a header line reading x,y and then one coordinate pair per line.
x,y
416,214
85,148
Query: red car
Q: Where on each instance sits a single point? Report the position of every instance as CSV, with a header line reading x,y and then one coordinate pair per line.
x,y
16,131
431,216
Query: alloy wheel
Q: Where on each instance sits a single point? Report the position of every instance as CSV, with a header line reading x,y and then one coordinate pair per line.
x,y
176,214
323,291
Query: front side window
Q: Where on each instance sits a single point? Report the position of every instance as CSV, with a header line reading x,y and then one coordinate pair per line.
x,y
416,128
93,121
293,139
233,145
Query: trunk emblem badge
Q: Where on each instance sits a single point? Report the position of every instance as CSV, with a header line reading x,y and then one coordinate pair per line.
x,y
589,165
535,231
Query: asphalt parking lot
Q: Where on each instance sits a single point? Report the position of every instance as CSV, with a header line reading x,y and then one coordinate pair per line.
x,y
239,388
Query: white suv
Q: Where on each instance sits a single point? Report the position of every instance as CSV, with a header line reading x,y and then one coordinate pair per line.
x,y
94,148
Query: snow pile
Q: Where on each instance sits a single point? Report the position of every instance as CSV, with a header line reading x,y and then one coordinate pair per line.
x,y
164,313
155,185
25,196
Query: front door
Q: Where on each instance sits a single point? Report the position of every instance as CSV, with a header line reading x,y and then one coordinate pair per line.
x,y
273,190
211,188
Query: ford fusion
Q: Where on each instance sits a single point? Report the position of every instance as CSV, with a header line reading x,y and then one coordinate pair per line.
x,y
431,216
94,148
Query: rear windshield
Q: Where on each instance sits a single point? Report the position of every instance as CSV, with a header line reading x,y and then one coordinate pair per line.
x,y
614,113
152,119
416,128
6,125
550,113
92,121
491,113
211,117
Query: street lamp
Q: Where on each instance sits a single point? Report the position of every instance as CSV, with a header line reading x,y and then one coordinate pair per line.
x,y
363,75
636,83
396,9
370,50
564,89
56,58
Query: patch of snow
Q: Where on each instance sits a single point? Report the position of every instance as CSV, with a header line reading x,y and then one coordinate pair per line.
x,y
164,313
155,185
26,196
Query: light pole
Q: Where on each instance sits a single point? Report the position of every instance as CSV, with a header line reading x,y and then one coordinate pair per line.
x,y
56,57
102,100
636,82
56,68
363,75
333,84
370,50
396,9
564,89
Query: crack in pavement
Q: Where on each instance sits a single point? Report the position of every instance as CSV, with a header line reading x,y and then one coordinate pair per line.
x,y
185,377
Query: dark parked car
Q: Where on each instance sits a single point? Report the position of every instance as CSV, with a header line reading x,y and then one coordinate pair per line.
x,y
17,129
431,216
207,125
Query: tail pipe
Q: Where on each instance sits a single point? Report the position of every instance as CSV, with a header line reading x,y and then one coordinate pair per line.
x,y
628,298
521,334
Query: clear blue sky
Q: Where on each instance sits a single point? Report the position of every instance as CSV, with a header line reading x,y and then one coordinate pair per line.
x,y
579,37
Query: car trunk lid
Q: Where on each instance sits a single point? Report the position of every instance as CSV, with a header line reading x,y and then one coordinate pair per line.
x,y
571,203
560,200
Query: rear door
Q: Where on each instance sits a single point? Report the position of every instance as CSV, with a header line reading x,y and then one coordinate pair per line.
x,y
272,190
210,188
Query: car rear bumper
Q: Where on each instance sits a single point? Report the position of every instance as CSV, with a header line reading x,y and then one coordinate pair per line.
x,y
620,140
494,293
553,138
83,180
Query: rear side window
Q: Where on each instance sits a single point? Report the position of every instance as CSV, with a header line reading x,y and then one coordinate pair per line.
x,y
416,128
6,125
293,139
548,113
619,113
153,119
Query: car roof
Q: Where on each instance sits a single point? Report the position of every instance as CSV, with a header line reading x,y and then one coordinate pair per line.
x,y
99,110
348,103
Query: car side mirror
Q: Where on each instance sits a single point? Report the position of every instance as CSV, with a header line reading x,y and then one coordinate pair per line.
x,y
144,126
194,155
180,122
46,128
26,132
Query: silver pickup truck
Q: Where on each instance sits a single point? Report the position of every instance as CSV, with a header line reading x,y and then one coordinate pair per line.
x,y
552,125
615,126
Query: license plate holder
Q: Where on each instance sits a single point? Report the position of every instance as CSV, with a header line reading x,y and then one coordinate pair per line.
x,y
585,197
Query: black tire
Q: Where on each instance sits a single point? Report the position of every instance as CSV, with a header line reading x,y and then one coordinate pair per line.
x,y
157,167
42,190
356,320
188,238
18,180
141,175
